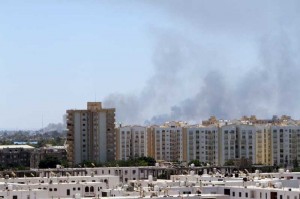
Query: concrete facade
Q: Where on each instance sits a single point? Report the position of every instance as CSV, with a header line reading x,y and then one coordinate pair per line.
x,y
91,134
131,142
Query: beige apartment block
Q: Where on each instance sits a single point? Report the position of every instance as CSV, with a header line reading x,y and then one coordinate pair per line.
x,y
263,144
91,134
166,141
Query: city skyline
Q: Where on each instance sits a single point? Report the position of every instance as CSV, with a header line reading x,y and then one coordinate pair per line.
x,y
153,62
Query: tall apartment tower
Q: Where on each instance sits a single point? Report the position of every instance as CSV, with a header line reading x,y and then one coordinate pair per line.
x,y
91,134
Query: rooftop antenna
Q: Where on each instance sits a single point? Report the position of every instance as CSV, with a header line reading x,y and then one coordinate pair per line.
x,y
43,123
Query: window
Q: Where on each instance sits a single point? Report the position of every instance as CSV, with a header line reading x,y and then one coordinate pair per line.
x,y
68,192
240,194
55,189
227,192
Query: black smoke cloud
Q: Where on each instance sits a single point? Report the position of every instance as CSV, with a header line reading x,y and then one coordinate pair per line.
x,y
241,59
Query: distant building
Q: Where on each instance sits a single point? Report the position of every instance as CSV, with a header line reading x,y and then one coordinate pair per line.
x,y
24,143
39,154
91,134
15,155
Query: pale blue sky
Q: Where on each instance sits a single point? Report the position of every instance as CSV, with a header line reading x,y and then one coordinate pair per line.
x,y
56,55
152,60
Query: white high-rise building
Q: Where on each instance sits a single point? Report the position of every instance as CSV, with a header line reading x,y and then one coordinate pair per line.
x,y
131,142
285,144
246,142
228,141
202,143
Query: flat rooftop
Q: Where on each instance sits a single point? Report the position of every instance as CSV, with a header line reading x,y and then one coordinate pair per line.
x,y
16,146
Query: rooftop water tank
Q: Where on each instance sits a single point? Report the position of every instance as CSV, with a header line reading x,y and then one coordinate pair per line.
x,y
281,171
9,187
278,185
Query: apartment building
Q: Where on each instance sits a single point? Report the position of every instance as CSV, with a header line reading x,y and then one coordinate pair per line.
x,y
167,141
39,154
202,143
246,142
91,134
263,144
228,140
131,142
285,144
15,155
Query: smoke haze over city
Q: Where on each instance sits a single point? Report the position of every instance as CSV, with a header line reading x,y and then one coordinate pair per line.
x,y
231,59
153,61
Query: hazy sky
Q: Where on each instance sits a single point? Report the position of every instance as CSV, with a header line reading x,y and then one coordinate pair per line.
x,y
152,60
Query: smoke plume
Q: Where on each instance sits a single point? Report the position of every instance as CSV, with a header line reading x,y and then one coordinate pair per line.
x,y
239,58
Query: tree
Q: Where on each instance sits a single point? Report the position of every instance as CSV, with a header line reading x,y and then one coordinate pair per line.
x,y
229,163
49,162
295,163
141,161
149,160
197,163
244,163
